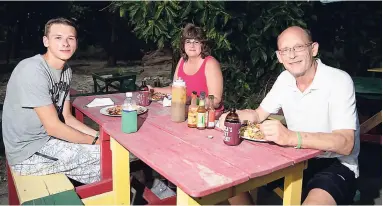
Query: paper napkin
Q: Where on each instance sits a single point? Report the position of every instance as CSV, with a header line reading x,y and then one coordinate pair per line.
x,y
98,102
167,102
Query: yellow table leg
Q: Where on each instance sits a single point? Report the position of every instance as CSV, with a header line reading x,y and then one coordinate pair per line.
x,y
185,199
121,173
293,185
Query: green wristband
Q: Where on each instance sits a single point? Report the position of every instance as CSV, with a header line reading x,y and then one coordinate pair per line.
x,y
299,141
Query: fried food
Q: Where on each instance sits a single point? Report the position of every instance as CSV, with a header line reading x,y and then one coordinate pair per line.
x,y
116,110
252,131
157,96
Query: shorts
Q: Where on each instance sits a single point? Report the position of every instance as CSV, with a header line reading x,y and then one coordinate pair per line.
x,y
327,174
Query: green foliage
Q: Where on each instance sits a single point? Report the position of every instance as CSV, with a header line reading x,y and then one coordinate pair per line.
x,y
162,21
243,36
240,33
253,65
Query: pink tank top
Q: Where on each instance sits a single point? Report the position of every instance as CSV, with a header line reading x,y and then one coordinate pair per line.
x,y
196,82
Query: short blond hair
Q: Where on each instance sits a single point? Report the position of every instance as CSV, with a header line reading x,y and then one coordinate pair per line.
x,y
59,20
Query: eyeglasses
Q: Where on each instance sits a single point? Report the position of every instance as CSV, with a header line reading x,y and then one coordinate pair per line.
x,y
192,41
297,48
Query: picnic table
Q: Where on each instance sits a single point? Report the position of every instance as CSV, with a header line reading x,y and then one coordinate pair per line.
x,y
205,171
79,105
369,88
121,81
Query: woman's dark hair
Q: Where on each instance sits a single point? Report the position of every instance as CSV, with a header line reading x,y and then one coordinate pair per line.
x,y
193,32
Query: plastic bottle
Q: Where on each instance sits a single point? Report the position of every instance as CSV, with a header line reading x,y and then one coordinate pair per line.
x,y
178,108
129,114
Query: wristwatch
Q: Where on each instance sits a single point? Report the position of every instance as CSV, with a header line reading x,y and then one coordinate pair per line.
x,y
96,138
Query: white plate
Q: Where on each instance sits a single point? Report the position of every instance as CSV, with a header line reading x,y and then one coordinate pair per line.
x,y
255,140
140,110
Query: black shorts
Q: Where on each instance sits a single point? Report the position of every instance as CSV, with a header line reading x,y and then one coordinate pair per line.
x,y
330,175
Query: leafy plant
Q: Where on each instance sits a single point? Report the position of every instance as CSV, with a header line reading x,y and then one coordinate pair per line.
x,y
162,22
243,37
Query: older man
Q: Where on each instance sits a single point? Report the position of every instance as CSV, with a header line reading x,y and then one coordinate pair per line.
x,y
318,102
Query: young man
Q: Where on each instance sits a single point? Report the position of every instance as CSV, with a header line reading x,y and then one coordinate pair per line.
x,y
318,103
40,134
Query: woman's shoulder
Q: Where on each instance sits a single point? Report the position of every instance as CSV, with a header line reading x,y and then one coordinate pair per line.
x,y
212,62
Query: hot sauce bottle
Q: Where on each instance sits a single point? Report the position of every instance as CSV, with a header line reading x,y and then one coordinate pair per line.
x,y
201,112
210,113
192,113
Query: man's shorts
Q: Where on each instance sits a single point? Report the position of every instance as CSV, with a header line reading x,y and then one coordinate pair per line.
x,y
327,174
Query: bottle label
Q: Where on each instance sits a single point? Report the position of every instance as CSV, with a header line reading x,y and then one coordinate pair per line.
x,y
179,95
201,120
210,118
231,133
192,116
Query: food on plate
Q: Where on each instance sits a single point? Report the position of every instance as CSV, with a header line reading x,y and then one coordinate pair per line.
x,y
116,110
157,96
252,131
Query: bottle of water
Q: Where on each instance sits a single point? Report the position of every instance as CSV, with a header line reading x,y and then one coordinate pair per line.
x,y
129,114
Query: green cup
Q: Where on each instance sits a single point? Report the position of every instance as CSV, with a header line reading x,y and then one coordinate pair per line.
x,y
129,121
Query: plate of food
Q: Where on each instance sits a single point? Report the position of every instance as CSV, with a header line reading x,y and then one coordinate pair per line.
x,y
252,132
157,96
115,111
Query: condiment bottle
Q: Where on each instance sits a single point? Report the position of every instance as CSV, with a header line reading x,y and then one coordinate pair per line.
x,y
143,94
210,113
192,113
178,108
201,112
143,86
232,126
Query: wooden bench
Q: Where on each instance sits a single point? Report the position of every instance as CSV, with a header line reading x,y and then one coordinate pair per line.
x,y
55,189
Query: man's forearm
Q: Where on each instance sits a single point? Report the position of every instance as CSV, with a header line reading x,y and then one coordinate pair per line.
x,y
74,123
332,142
67,133
250,115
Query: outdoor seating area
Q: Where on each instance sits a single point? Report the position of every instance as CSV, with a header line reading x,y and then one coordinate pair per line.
x,y
116,147
191,103
368,91
118,80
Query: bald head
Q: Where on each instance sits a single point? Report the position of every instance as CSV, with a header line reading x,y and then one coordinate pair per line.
x,y
294,31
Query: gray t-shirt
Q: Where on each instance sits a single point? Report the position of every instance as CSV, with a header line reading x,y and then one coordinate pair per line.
x,y
32,84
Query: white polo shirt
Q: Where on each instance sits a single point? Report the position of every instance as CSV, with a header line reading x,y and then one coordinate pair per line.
x,y
327,104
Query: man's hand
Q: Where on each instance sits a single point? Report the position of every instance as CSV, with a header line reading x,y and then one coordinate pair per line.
x,y
276,132
246,114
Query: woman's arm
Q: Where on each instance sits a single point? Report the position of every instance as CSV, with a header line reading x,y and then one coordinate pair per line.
x,y
214,80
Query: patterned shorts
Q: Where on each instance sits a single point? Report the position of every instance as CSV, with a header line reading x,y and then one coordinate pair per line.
x,y
80,162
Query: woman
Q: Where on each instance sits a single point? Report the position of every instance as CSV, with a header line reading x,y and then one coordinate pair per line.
x,y
199,70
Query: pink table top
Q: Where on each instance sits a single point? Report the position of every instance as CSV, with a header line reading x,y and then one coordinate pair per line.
x,y
94,112
198,165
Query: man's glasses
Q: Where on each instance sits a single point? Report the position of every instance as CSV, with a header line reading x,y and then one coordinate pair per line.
x,y
297,48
